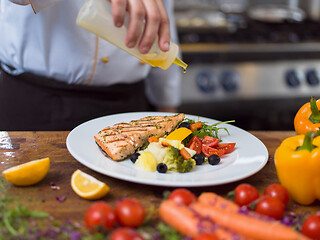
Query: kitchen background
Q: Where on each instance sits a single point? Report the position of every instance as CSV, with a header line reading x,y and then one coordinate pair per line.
x,y
256,62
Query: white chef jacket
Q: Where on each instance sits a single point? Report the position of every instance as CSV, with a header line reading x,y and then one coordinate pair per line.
x,y
51,44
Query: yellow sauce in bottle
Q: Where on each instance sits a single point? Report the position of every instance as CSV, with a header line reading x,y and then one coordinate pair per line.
x,y
96,17
159,62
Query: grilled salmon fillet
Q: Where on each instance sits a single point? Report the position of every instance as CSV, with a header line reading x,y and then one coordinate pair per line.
x,y
123,139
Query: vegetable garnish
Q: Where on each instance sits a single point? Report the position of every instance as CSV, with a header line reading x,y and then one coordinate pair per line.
x,y
167,232
192,139
13,219
18,222
206,130
21,223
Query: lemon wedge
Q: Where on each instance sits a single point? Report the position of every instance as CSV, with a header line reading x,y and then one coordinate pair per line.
x,y
27,173
179,134
87,186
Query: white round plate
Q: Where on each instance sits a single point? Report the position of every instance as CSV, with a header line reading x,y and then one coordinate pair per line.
x,y
249,156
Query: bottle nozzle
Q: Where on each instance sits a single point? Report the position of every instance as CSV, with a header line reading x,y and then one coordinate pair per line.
x,y
180,63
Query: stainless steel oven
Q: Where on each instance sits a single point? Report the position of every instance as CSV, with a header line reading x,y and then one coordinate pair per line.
x,y
256,69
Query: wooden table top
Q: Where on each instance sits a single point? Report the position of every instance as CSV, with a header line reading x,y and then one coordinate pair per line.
x,y
20,147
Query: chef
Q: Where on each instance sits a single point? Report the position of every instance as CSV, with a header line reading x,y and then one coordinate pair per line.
x,y
55,75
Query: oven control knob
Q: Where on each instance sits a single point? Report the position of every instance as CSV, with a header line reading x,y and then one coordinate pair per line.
x,y
292,79
229,80
206,81
312,77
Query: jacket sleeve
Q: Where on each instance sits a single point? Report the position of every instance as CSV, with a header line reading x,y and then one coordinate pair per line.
x,y
38,5
163,86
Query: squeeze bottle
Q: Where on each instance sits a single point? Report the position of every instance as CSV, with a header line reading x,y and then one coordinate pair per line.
x,y
96,17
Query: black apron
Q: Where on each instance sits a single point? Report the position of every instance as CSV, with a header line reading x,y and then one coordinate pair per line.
x,y
29,102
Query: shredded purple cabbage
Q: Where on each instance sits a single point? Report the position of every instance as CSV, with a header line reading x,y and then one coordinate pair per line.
x,y
61,198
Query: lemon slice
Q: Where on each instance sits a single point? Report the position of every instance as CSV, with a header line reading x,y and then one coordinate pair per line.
x,y
179,134
27,173
87,186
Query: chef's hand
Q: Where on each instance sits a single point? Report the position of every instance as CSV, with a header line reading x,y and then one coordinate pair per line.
x,y
156,22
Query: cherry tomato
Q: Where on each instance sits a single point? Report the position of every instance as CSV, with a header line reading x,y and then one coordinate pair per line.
x,y
279,191
271,207
195,144
182,196
130,212
124,233
245,194
311,226
227,147
210,141
100,215
208,151
206,236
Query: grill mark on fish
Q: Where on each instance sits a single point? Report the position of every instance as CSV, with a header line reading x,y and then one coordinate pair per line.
x,y
123,139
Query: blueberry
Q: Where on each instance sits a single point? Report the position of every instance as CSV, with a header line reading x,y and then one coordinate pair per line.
x,y
134,157
162,168
199,158
214,159
184,124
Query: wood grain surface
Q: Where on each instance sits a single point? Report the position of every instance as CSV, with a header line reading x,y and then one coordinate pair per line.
x,y
55,195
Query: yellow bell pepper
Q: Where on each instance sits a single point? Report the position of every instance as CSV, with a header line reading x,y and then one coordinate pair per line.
x,y
308,117
297,162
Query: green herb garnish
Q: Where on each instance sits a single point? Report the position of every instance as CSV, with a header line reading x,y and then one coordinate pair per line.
x,y
168,233
18,222
17,219
206,130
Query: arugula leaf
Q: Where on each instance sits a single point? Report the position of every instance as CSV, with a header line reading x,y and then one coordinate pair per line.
x,y
211,130
206,130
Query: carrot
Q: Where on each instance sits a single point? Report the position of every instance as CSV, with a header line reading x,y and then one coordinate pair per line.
x,y
190,224
245,225
185,154
179,217
195,126
216,200
153,139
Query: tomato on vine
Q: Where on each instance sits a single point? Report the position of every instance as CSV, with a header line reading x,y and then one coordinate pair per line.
x,y
182,196
279,191
271,207
99,216
244,194
130,212
311,226
124,233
